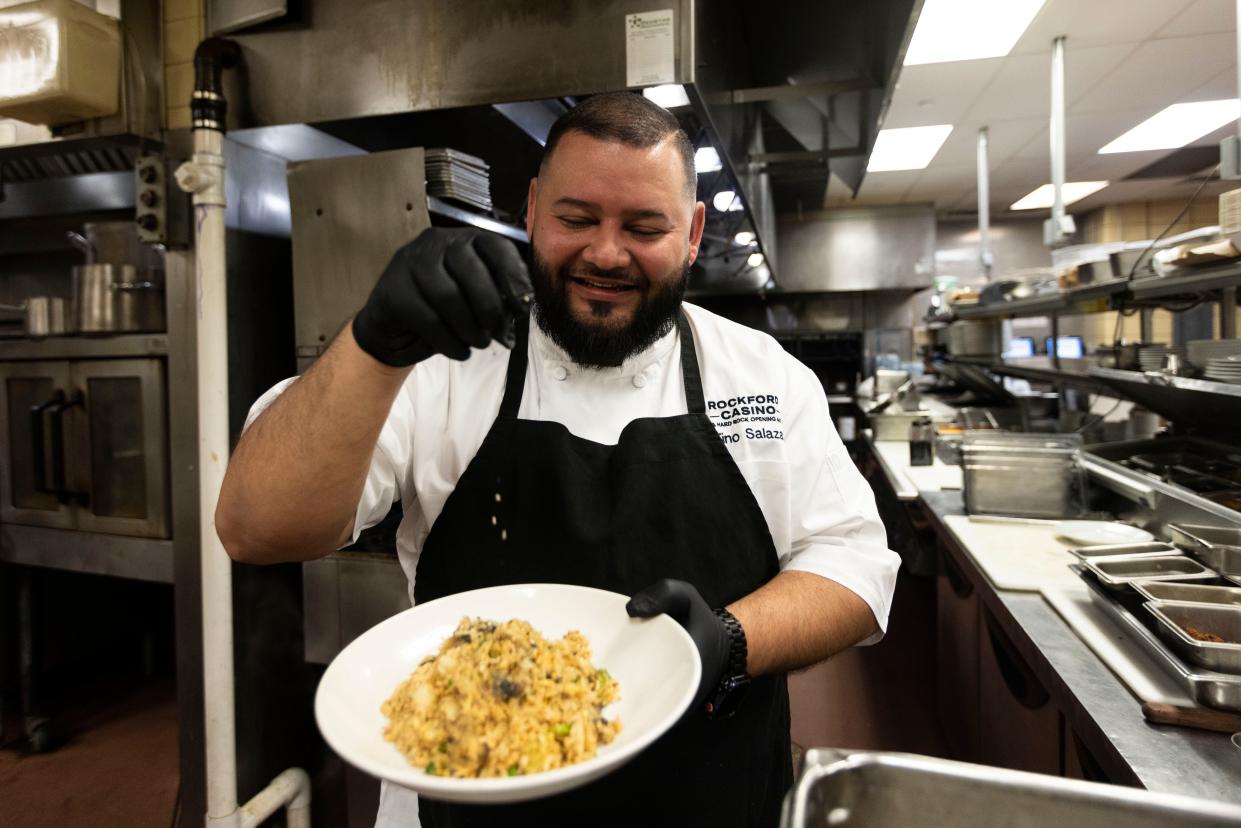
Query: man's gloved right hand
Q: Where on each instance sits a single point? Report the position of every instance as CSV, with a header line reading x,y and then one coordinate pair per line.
x,y
443,293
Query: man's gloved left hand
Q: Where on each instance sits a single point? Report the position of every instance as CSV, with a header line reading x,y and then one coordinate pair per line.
x,y
681,601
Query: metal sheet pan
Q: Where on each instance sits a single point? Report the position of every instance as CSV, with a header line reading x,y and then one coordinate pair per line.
x,y
1156,549
1219,690
1117,573
1191,593
1176,617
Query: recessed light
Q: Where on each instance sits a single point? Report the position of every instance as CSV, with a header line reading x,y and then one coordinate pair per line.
x,y
951,30
755,259
668,95
1042,198
726,200
745,237
910,148
707,159
1176,126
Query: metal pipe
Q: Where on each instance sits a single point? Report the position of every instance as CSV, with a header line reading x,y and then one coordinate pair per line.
x,y
203,176
1228,312
1057,130
1146,322
984,206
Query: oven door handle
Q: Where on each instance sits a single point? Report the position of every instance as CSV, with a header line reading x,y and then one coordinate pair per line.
x,y
59,487
38,443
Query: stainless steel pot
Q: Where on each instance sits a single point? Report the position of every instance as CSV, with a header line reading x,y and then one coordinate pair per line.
x,y
41,316
111,299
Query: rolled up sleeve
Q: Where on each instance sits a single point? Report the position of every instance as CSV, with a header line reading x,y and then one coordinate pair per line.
x,y
835,530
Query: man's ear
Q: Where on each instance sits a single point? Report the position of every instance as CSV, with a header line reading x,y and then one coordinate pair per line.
x,y
696,226
532,197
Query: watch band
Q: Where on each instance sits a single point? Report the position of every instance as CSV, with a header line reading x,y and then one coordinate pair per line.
x,y
738,652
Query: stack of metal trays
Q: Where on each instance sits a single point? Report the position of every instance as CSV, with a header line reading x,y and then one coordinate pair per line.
x,y
1022,475
1178,607
457,176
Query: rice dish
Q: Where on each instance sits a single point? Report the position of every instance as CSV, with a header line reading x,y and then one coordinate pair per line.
x,y
500,700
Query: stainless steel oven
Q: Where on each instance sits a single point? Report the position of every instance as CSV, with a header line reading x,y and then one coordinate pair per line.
x,y
87,446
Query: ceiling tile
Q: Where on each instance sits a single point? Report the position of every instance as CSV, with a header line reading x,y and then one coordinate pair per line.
x,y
1004,139
1097,22
1022,86
1202,17
1161,72
938,93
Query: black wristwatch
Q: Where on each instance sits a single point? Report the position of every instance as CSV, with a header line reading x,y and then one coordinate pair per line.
x,y
735,683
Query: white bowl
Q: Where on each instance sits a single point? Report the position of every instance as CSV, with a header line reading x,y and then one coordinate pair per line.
x,y
654,661
1100,532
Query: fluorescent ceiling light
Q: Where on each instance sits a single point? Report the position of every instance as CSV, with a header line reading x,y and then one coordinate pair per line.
x,y
707,159
951,30
726,200
1176,126
745,237
911,148
1043,196
754,259
668,95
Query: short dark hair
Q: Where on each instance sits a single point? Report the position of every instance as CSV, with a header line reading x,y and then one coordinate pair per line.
x,y
627,118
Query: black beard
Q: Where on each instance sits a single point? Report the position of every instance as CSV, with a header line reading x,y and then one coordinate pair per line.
x,y
599,346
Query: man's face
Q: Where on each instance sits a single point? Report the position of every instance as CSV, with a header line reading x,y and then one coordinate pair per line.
x,y
613,235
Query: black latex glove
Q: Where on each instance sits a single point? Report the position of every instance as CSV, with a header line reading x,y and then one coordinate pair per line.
x,y
681,601
443,293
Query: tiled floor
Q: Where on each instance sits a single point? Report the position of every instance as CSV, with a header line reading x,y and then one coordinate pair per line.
x,y
117,765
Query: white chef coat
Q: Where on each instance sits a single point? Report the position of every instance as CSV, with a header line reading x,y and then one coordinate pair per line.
x,y
768,408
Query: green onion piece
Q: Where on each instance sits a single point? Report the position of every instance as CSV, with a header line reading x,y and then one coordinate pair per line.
x,y
562,729
513,770
603,676
431,768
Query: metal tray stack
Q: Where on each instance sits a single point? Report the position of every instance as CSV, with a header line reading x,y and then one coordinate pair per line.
x,y
457,176
1166,601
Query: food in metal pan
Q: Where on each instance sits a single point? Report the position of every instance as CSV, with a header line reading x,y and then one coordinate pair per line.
x,y
1200,635
498,699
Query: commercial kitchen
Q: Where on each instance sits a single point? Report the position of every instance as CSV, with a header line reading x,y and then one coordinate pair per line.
x,y
1005,239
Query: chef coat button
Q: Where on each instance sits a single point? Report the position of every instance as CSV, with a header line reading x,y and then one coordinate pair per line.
x,y
560,372
639,380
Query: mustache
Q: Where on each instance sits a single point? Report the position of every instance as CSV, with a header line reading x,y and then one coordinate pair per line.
x,y
619,274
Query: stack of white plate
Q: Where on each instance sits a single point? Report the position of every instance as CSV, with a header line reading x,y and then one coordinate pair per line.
x,y
1150,357
458,176
1223,369
1199,351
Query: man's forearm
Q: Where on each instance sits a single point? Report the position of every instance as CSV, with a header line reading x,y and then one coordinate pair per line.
x,y
293,483
798,619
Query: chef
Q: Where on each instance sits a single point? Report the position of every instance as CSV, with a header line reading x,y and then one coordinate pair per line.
x,y
627,440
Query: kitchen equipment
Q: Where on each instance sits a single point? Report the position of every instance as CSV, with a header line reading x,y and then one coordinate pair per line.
x,y
1176,619
1187,593
62,62
1219,690
1125,550
1123,357
1101,532
1223,369
40,316
1152,357
85,446
1022,475
1197,717
895,425
654,661
455,175
1216,546
112,299
872,788
1117,573
1123,262
888,380
921,433
1172,364
975,337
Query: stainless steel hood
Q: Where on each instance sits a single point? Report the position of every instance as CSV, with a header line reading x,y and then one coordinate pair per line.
x,y
789,93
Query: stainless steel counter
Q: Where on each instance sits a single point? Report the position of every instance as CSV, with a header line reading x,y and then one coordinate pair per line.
x,y
1095,703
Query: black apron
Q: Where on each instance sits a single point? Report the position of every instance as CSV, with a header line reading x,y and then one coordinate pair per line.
x,y
667,501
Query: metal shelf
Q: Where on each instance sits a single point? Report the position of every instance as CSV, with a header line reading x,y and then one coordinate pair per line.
x,y
1111,292
1204,280
439,207
86,347
1078,377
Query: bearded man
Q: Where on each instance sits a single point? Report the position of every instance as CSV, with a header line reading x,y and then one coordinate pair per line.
x,y
641,445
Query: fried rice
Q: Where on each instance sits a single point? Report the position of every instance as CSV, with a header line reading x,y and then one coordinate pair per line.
x,y
500,700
